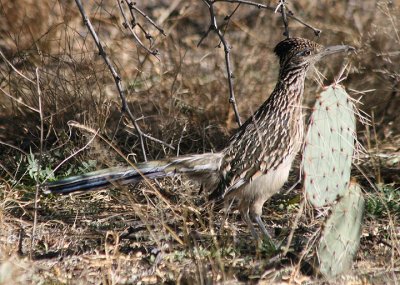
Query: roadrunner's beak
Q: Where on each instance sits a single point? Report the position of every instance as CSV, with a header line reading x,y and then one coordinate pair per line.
x,y
335,49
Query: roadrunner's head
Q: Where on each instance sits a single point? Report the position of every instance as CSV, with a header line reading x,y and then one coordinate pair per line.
x,y
298,53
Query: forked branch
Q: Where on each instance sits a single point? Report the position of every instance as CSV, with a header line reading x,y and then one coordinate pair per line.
x,y
281,7
132,23
214,27
289,13
118,82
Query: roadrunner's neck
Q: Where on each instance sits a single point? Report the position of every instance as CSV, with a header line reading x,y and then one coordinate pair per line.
x,y
286,101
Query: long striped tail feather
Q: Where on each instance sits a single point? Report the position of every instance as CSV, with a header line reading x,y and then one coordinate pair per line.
x,y
199,167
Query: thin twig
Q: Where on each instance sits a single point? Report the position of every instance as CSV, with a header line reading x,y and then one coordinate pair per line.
x,y
118,82
214,27
14,147
294,226
289,13
228,18
131,26
14,68
18,101
72,155
39,163
317,32
133,7
6,171
282,6
134,23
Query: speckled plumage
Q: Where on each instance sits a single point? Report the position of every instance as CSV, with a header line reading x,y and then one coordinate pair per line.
x,y
258,158
256,162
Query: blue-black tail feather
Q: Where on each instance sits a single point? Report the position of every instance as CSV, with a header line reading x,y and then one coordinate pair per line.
x,y
198,166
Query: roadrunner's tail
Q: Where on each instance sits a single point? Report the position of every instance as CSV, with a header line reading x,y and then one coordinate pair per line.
x,y
203,168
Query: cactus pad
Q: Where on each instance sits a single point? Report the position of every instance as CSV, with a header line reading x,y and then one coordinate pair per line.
x,y
341,236
329,146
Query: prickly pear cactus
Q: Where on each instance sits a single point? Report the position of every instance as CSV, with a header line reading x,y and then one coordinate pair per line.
x,y
329,146
341,235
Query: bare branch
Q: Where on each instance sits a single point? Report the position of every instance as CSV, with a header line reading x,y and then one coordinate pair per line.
x,y
14,68
228,18
18,100
39,165
130,27
282,7
316,31
74,153
132,6
214,27
289,13
118,82
14,147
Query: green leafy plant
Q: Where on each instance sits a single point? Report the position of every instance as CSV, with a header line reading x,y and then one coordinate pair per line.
x,y
46,172
33,169
387,199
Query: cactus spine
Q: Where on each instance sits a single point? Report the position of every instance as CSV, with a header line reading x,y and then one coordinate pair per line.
x,y
329,146
341,235
327,158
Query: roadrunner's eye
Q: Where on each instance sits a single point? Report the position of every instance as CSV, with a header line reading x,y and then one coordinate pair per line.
x,y
306,52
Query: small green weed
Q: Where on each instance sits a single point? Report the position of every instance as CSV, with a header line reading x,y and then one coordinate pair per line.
x,y
387,199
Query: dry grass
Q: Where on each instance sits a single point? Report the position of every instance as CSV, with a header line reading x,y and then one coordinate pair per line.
x,y
159,231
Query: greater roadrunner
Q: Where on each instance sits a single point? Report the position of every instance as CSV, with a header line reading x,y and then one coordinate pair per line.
x,y
256,162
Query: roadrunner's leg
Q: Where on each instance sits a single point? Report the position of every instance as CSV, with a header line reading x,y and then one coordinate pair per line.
x,y
249,222
267,236
246,217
